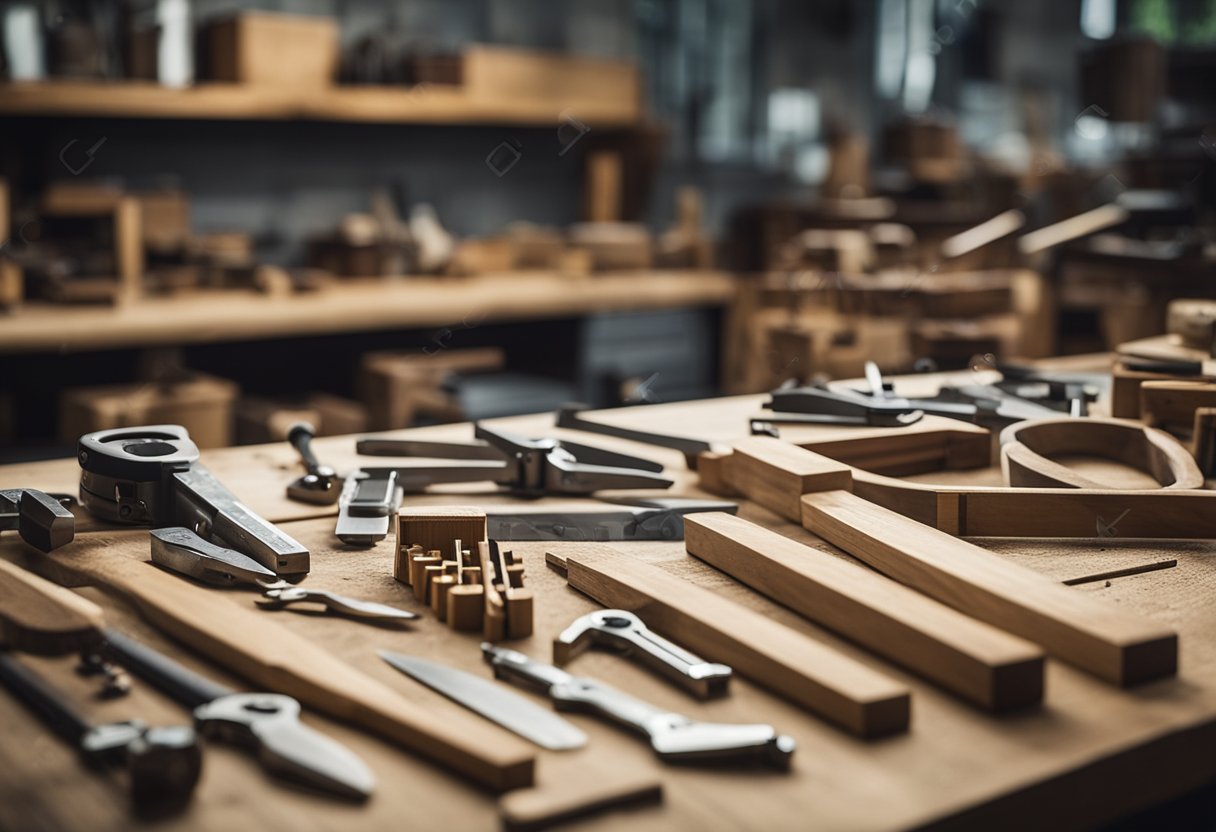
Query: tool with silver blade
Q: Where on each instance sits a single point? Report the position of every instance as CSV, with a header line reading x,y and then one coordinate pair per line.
x,y
366,506
661,518
495,702
281,595
266,724
181,550
626,633
674,738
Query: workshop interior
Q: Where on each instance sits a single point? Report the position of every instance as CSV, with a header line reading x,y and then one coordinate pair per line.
x,y
607,414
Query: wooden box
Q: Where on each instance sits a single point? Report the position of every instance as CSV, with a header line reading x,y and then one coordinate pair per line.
x,y
436,528
398,386
268,420
270,49
591,86
203,405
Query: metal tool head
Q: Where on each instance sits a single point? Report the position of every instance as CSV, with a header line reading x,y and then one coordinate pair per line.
x,y
42,520
677,739
320,485
183,551
270,723
281,595
625,632
164,763
114,464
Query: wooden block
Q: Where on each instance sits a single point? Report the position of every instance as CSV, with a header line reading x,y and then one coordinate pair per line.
x,y
265,48
203,405
129,248
1174,403
441,586
974,660
466,607
776,474
519,613
515,575
12,284
470,575
582,787
439,527
712,475
604,177
847,693
1077,627
429,574
418,565
494,74
30,624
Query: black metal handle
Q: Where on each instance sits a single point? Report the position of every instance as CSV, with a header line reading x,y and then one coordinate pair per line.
x,y
160,671
300,435
37,695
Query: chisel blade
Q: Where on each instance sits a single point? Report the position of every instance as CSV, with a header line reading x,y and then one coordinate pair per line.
x,y
493,701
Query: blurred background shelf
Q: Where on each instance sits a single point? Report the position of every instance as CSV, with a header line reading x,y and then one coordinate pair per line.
x,y
356,305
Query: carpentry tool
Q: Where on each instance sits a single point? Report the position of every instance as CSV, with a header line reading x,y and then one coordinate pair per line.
x,y
674,738
1079,628
626,633
851,695
41,519
821,406
282,595
493,701
661,518
266,724
569,416
181,550
269,655
1028,450
366,506
525,467
163,763
151,476
320,484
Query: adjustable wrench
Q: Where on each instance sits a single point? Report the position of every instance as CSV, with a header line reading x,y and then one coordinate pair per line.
x,y
625,632
163,763
673,737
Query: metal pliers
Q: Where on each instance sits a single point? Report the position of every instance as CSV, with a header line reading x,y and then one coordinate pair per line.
x,y
525,467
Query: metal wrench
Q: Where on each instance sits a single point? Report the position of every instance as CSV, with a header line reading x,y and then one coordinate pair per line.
x,y
626,632
673,737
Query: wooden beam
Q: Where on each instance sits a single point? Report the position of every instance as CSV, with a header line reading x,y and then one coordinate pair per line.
x,y
1079,628
847,693
974,660
776,474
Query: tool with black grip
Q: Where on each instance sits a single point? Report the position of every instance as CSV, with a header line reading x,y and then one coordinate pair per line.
x,y
163,763
151,476
320,484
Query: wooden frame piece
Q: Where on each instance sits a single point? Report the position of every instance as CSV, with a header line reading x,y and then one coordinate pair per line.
x,y
1079,628
1027,448
974,660
843,691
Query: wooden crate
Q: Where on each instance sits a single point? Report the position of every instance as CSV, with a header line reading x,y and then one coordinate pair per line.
x,y
203,405
397,386
496,74
264,48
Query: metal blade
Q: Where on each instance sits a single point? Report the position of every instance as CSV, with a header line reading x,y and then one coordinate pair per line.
x,y
493,701
292,749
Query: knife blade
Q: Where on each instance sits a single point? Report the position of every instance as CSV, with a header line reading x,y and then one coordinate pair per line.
x,y
493,701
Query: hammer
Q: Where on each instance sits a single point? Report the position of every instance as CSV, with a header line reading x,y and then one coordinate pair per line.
x,y
321,484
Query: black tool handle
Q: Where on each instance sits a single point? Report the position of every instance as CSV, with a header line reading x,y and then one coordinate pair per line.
x,y
51,706
300,435
162,672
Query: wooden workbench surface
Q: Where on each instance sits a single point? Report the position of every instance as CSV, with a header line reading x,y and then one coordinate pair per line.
x,y
354,305
1091,753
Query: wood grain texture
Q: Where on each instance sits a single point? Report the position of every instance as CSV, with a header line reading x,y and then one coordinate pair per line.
x,y
974,660
586,787
848,694
261,650
37,616
1119,647
776,474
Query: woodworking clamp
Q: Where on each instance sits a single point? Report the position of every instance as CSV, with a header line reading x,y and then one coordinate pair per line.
x,y
625,632
320,484
163,763
281,595
42,520
673,737
151,476
661,518
266,724
525,467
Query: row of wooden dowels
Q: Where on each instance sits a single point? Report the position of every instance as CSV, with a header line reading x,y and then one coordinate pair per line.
x,y
466,591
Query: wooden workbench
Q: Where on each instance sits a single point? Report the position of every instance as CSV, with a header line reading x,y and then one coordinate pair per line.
x,y
354,305
1091,754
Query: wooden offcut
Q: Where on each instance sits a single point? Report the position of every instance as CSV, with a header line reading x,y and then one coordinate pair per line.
x,y
974,660
860,700
37,616
435,527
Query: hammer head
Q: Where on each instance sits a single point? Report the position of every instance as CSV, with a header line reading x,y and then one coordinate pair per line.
x,y
592,628
40,519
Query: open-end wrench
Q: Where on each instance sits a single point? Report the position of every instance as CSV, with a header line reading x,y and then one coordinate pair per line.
x,y
163,763
674,738
625,632
266,723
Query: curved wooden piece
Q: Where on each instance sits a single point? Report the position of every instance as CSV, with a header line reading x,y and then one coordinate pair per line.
x,y
37,616
1027,449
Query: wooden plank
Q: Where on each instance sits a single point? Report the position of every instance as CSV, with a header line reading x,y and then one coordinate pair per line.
x,y
776,474
833,686
28,623
266,653
1119,647
970,658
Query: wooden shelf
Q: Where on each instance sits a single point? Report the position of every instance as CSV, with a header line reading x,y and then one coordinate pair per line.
x,y
426,105
353,306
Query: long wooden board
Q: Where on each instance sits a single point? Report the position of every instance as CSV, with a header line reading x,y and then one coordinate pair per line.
x,y
258,648
864,702
975,660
